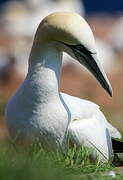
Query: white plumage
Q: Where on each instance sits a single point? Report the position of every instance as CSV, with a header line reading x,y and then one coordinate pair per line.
x,y
38,109
89,126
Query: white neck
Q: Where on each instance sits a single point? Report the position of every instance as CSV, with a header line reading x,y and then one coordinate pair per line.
x,y
45,70
37,103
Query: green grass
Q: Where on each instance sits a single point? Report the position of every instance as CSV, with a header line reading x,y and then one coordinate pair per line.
x,y
37,164
3,102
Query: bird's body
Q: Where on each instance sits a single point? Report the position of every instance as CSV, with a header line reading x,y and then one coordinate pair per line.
x,y
39,109
39,104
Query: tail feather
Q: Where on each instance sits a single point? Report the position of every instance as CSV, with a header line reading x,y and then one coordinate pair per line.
x,y
117,146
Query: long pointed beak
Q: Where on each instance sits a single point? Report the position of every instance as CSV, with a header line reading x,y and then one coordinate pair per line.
x,y
91,62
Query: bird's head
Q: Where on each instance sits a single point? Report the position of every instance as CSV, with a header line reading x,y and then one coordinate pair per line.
x,y
73,35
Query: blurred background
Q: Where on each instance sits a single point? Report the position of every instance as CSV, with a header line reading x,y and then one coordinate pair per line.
x,y
18,23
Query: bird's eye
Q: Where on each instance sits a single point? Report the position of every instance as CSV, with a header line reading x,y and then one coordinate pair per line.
x,y
81,48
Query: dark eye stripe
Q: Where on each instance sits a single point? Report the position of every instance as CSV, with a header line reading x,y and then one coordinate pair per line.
x,y
81,48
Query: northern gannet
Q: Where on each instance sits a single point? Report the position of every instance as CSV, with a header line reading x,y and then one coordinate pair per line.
x,y
39,109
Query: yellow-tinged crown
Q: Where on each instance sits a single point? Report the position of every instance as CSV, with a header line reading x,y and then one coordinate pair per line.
x,y
66,27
